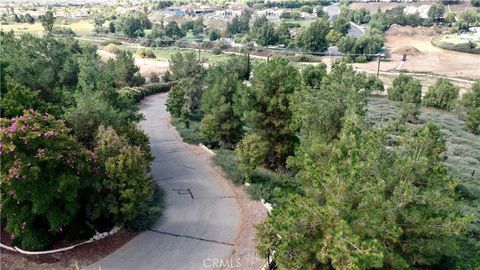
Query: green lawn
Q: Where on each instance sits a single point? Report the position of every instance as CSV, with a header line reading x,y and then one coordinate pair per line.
x,y
301,22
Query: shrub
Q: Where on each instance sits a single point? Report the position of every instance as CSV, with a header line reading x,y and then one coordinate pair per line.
x,y
442,95
43,170
216,51
406,88
473,121
111,48
66,31
250,152
227,160
154,78
175,101
471,103
207,45
167,77
111,41
126,192
145,53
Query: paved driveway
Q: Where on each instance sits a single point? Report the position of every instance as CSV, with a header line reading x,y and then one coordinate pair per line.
x,y
201,219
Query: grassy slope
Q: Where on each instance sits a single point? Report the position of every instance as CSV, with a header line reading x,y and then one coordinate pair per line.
x,y
463,147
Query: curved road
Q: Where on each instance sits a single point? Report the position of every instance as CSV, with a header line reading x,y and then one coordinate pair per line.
x,y
201,219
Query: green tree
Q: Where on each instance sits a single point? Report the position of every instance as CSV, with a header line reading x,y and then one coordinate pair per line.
x,y
186,69
176,101
450,18
341,24
127,73
368,205
266,35
111,27
90,111
214,34
157,32
405,87
313,38
251,152
16,98
268,108
174,31
221,124
283,34
198,26
43,169
126,191
471,103
442,95
48,21
312,75
322,104
436,11
133,25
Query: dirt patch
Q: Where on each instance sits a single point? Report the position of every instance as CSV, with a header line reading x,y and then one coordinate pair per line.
x,y
80,256
431,59
383,6
407,50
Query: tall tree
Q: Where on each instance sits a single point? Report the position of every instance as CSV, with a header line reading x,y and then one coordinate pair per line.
x,y
268,108
48,21
221,124
368,204
313,38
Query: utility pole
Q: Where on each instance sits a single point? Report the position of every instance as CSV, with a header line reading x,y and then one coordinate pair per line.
x,y
378,66
248,65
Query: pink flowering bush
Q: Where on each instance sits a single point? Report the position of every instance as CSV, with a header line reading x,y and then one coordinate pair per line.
x,y
42,172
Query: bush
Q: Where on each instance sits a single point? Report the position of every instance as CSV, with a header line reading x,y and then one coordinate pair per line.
x,y
406,88
154,78
216,51
111,41
471,103
66,31
227,160
175,101
250,152
111,48
442,95
126,191
145,53
302,58
43,171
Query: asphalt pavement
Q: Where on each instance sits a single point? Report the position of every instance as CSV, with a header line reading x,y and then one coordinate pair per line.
x,y
201,219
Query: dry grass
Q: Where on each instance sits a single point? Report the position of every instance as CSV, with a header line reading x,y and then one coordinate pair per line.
x,y
463,147
430,58
80,28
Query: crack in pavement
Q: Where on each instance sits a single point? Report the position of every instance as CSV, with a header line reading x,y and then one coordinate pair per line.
x,y
192,237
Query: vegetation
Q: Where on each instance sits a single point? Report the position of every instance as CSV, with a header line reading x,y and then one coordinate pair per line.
x,y
133,25
442,95
471,103
309,149
72,153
